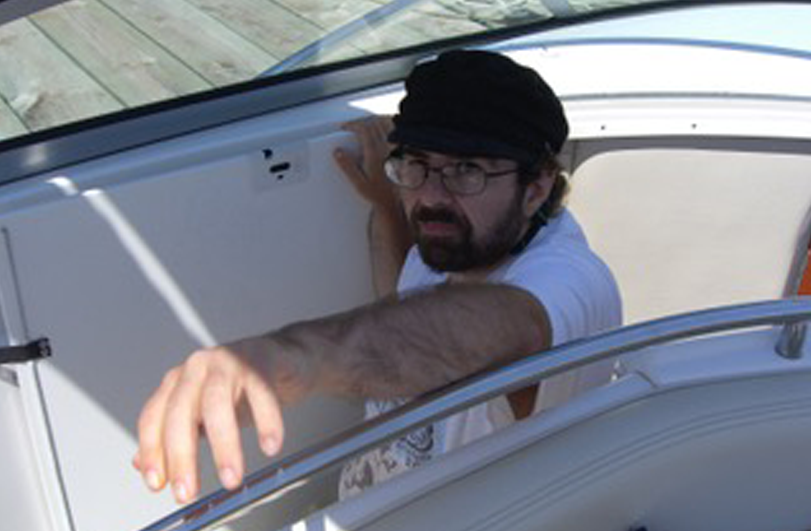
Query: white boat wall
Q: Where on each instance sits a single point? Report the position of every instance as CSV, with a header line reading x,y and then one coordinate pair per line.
x,y
691,173
130,263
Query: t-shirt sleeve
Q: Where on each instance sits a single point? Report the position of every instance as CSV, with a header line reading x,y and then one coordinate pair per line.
x,y
575,287
581,298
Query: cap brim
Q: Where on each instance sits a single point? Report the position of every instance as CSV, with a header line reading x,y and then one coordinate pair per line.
x,y
451,142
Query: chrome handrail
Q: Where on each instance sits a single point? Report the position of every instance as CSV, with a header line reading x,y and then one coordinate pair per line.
x,y
274,480
791,342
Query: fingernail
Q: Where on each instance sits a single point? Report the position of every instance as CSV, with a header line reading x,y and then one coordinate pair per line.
x,y
181,491
153,480
270,445
228,478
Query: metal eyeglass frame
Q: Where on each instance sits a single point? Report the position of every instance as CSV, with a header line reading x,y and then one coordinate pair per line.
x,y
392,173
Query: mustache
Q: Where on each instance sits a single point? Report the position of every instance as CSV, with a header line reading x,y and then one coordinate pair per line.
x,y
438,215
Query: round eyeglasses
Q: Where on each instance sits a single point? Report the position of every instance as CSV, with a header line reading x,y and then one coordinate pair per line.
x,y
463,177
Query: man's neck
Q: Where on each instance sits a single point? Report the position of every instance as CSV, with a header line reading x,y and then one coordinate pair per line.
x,y
474,275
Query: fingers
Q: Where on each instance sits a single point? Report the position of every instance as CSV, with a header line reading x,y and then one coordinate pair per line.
x,y
378,123
267,416
355,175
150,458
372,134
222,429
366,173
182,421
136,461
382,126
206,393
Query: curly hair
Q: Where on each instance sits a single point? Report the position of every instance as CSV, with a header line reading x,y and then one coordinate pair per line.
x,y
549,164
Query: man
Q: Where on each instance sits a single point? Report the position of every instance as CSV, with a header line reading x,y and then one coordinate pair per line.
x,y
499,271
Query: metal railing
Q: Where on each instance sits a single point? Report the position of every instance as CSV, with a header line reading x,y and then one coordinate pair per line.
x,y
274,480
792,339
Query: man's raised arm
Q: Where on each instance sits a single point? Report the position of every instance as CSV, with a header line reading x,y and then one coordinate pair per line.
x,y
389,238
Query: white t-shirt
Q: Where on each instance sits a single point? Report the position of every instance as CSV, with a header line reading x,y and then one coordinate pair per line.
x,y
581,298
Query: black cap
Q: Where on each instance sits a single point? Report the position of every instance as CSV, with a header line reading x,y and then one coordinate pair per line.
x,y
471,102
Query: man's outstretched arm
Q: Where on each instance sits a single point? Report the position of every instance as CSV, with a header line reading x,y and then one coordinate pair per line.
x,y
402,348
392,348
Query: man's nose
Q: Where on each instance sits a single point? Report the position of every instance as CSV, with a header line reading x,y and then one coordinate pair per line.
x,y
433,190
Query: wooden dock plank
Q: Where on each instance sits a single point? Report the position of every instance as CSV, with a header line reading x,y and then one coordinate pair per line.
x,y
10,125
214,51
340,12
42,84
119,56
490,15
344,12
435,21
267,24
590,5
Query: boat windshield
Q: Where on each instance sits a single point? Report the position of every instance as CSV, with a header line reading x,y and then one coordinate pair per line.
x,y
81,59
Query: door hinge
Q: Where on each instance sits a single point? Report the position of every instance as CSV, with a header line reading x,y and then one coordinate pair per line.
x,y
35,350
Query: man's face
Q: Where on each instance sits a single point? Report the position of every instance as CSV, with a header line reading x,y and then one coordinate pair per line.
x,y
457,233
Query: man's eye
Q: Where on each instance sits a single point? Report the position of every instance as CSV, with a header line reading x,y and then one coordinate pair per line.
x,y
468,168
417,164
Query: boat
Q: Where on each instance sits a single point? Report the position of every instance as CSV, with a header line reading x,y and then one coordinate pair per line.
x,y
145,230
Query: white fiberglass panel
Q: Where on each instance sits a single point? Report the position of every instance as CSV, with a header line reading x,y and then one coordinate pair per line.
x,y
127,279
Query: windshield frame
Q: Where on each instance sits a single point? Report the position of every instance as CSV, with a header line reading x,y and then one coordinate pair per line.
x,y
48,150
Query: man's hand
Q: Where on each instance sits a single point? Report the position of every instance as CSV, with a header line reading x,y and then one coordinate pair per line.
x,y
213,392
366,173
389,238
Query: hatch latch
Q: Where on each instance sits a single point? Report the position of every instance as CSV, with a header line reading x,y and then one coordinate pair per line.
x,y
35,350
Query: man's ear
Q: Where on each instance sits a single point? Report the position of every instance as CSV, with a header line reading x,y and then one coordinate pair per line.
x,y
537,192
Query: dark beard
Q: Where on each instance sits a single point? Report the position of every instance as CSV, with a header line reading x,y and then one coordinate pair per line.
x,y
462,253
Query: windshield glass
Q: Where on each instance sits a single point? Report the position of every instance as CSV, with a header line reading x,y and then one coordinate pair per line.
x,y
86,58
